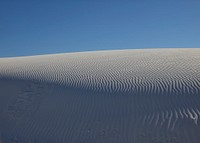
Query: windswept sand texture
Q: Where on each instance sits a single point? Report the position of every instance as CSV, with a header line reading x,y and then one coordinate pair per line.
x,y
127,96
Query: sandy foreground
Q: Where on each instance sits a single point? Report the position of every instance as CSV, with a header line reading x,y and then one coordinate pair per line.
x,y
122,96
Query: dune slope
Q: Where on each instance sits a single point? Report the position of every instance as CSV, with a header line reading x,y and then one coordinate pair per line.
x,y
124,96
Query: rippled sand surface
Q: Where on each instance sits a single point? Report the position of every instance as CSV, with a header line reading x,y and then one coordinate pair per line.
x,y
123,96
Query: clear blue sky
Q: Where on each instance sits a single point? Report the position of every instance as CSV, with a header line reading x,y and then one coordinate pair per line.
x,y
30,27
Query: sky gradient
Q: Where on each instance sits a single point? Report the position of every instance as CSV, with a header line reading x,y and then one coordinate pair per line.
x,y
54,26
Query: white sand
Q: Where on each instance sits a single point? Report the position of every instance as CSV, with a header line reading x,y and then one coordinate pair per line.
x,y
124,96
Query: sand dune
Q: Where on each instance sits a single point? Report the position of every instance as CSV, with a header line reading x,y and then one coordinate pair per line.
x,y
124,96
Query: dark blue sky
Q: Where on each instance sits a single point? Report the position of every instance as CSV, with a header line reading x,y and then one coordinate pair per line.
x,y
30,27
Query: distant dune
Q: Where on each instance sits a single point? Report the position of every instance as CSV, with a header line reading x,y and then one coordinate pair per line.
x,y
123,96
